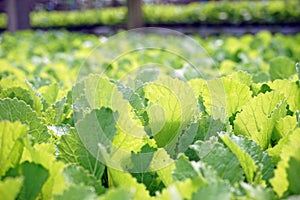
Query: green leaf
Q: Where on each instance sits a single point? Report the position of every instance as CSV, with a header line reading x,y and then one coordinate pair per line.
x,y
245,159
282,131
293,197
208,127
257,192
123,145
284,126
286,179
76,175
261,77
11,148
44,154
197,85
164,171
72,150
141,169
34,178
293,174
21,90
56,114
151,180
181,190
298,118
172,106
124,179
214,191
130,136
258,88
136,100
298,71
241,77
263,162
77,192
258,117
187,137
118,193
184,170
38,99
19,93
141,160
13,110
10,188
99,91
219,158
281,68
188,178
290,90
276,150
98,128
224,97
50,93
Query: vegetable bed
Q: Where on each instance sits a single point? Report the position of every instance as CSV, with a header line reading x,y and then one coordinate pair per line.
x,y
210,13
238,125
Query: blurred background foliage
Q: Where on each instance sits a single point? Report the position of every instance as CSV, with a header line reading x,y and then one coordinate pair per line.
x,y
72,13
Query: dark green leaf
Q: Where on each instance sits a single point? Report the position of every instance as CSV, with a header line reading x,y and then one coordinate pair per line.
x,y
141,162
35,175
294,175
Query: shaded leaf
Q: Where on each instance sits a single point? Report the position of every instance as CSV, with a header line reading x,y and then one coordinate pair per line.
x,y
96,131
220,159
76,175
72,150
184,170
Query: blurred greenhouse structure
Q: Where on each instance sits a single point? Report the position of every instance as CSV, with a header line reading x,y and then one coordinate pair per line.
x,y
51,5
188,16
